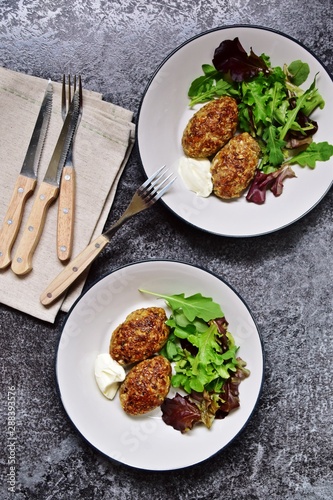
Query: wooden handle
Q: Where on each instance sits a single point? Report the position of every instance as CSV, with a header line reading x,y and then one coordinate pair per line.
x,y
24,187
73,270
22,261
66,214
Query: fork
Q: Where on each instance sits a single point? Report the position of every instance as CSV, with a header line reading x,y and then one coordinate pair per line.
x,y
144,197
66,207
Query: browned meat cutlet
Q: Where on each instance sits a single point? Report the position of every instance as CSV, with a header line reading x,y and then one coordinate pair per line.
x,y
234,166
145,386
210,128
142,334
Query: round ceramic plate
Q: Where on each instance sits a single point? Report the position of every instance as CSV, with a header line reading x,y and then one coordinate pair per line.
x,y
146,442
164,112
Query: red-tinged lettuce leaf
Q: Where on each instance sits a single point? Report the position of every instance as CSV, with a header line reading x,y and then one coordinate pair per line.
x,y
183,412
231,58
283,173
208,405
222,326
230,391
231,398
273,181
296,143
180,413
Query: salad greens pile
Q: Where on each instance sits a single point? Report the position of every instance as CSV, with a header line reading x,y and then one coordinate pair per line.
x,y
204,357
272,107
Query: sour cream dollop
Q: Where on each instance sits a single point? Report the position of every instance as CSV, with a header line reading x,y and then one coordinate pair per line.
x,y
196,175
108,375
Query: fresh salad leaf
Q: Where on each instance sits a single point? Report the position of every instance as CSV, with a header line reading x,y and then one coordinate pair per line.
x,y
263,182
230,57
204,354
210,85
193,306
272,107
298,72
180,413
292,114
231,393
321,151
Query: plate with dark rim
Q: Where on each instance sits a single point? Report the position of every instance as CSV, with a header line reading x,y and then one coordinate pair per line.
x,y
146,442
164,113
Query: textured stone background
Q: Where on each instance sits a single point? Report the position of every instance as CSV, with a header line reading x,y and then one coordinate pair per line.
x,y
286,450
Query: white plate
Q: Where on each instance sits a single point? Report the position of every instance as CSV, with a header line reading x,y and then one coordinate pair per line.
x,y
164,113
147,442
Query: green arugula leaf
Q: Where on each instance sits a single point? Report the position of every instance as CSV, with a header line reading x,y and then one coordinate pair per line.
x,y
254,97
276,96
274,146
197,372
299,72
209,86
291,117
314,101
195,306
321,151
208,348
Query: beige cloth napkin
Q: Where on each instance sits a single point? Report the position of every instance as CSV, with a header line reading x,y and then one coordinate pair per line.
x,y
103,143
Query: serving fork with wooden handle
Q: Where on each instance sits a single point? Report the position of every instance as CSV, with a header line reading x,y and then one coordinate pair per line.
x,y
66,202
145,196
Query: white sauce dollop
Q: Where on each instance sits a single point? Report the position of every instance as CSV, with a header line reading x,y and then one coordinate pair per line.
x,y
196,175
108,375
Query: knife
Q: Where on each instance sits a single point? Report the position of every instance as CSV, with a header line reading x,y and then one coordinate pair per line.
x,y
26,182
46,194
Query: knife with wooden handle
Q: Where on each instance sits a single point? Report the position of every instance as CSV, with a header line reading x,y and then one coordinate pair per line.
x,y
26,182
47,193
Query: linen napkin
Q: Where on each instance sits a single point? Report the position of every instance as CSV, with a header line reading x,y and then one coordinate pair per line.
x,y
102,146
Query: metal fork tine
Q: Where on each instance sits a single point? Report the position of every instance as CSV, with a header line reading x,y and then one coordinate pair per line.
x,y
156,195
69,91
66,95
80,93
63,98
155,187
161,193
159,183
152,178
144,197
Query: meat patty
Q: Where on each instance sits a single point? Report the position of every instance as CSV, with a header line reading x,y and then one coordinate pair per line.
x,y
234,166
142,334
145,386
210,128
